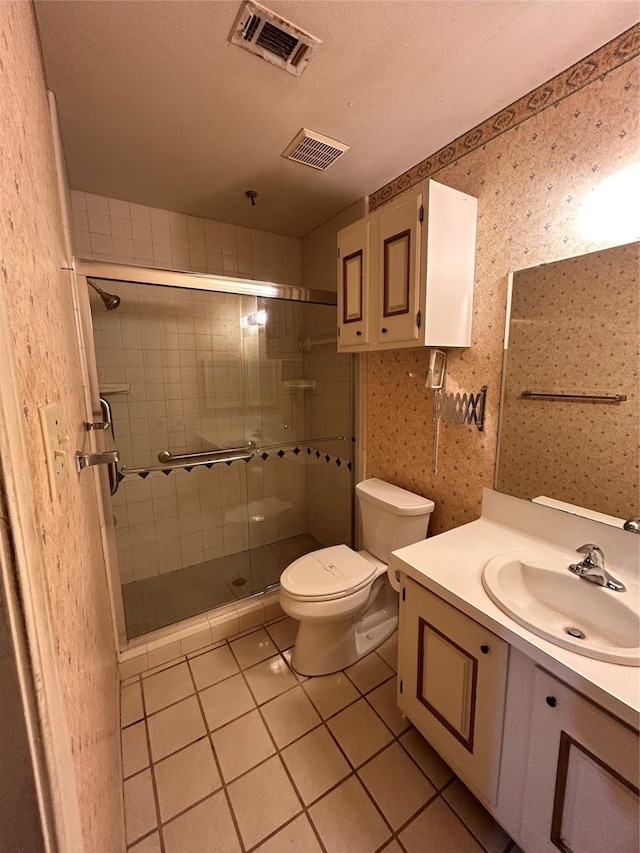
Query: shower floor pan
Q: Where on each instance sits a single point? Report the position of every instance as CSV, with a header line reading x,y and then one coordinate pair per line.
x,y
155,602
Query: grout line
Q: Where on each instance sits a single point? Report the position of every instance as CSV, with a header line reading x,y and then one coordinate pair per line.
x,y
219,767
152,774
282,761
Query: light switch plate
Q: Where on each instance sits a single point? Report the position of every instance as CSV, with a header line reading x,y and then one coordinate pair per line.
x,y
56,443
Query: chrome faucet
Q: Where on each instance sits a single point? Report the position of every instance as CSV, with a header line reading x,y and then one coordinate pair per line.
x,y
592,568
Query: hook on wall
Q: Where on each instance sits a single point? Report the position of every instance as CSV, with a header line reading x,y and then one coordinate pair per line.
x,y
252,195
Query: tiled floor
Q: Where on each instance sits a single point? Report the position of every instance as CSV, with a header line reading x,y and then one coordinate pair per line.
x,y
229,750
154,602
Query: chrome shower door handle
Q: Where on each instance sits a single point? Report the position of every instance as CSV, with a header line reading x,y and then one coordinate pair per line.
x,y
85,460
114,480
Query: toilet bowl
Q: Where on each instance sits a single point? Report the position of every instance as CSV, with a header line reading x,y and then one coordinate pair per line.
x,y
344,600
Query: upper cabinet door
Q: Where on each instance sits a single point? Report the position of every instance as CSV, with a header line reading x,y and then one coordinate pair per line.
x,y
398,241
353,286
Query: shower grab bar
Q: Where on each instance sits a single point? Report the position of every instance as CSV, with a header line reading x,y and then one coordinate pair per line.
x,y
170,466
216,457
167,456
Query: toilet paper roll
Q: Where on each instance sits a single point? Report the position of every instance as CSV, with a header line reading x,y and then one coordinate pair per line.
x,y
393,574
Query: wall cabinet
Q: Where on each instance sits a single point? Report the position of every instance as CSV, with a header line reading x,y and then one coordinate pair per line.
x,y
453,675
406,273
559,772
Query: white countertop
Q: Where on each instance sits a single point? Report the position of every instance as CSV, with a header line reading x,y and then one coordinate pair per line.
x,y
451,564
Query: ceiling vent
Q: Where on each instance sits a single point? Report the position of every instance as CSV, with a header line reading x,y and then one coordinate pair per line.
x,y
266,34
315,150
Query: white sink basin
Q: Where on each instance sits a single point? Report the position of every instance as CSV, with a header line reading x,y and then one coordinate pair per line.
x,y
537,590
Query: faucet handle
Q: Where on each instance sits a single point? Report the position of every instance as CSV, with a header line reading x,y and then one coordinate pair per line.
x,y
593,553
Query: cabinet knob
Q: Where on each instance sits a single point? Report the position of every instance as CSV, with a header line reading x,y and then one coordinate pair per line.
x,y
358,333
383,330
484,650
551,701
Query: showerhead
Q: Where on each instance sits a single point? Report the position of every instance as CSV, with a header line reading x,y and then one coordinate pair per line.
x,y
111,301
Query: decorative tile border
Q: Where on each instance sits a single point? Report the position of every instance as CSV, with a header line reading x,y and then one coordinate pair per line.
x,y
595,66
309,454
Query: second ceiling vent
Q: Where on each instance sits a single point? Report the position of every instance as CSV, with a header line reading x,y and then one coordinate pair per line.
x,y
313,149
280,42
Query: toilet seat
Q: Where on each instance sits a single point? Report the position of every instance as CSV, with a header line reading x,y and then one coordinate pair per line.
x,y
327,574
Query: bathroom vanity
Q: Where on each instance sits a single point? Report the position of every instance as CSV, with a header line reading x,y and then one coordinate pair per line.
x,y
546,738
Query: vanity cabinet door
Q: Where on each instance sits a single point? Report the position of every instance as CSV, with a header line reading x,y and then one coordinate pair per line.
x,y
581,794
452,684
353,286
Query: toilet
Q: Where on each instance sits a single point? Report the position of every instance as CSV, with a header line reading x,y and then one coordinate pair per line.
x,y
344,600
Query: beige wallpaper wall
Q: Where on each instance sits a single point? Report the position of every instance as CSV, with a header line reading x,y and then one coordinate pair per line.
x,y
41,316
574,329
531,183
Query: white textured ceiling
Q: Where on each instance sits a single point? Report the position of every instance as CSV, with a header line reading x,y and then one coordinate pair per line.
x,y
157,107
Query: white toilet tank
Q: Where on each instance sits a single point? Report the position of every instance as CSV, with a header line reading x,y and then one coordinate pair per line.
x,y
391,517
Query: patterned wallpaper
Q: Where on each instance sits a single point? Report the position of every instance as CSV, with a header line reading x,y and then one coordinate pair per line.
x,y
531,182
41,317
574,328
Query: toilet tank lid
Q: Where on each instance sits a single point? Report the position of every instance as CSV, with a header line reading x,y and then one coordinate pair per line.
x,y
392,498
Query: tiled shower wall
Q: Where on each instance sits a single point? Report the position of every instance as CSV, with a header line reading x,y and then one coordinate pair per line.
x,y
109,229
329,413
197,377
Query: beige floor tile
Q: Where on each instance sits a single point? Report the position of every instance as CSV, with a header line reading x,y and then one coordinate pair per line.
x,y
253,648
384,700
206,828
330,693
315,763
388,651
392,847
438,830
186,777
139,806
151,844
369,672
427,758
269,679
212,667
347,820
290,716
284,633
131,704
135,752
262,801
225,701
241,745
175,727
359,731
287,654
296,837
492,836
396,784
167,687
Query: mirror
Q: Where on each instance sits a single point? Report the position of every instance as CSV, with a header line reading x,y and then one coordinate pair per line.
x,y
569,413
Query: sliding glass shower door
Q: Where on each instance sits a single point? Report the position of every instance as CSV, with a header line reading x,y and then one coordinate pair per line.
x,y
233,417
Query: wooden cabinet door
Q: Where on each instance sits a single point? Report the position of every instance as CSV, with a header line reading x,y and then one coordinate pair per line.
x,y
581,794
398,235
353,286
452,683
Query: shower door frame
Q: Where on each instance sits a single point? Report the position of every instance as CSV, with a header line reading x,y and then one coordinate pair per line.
x,y
110,274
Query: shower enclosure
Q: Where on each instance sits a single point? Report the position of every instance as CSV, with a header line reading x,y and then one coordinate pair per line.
x,y
233,415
